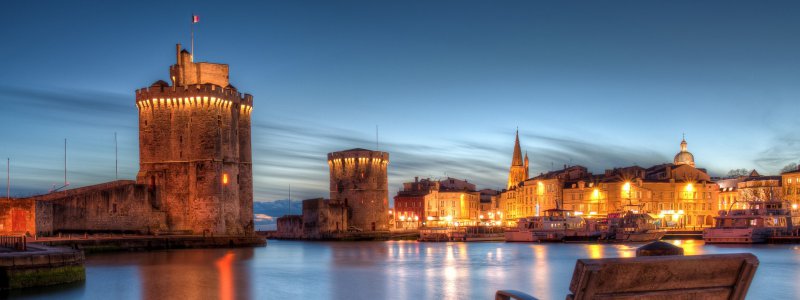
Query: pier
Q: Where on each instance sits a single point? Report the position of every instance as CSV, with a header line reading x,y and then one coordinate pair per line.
x,y
110,243
39,265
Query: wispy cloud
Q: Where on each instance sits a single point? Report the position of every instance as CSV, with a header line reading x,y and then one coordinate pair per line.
x,y
295,154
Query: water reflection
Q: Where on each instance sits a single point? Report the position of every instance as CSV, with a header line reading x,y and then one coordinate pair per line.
x,y
379,270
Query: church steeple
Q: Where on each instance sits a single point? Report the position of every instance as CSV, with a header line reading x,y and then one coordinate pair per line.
x,y
519,169
517,159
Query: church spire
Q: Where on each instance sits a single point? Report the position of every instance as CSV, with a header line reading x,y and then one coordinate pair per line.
x,y
517,158
518,171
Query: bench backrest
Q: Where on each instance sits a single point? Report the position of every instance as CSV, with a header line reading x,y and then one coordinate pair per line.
x,y
716,276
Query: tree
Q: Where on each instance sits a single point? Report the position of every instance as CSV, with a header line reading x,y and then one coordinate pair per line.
x,y
738,172
790,167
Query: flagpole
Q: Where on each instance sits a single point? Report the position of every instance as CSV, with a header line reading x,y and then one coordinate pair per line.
x,y
116,158
192,29
8,178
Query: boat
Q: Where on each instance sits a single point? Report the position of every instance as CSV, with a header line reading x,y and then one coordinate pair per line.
x,y
435,234
756,224
633,226
478,234
556,225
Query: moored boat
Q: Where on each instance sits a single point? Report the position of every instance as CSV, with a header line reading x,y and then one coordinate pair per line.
x,y
633,226
478,234
555,225
435,234
761,221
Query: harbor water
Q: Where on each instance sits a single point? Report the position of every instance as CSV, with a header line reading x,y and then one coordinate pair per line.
x,y
379,270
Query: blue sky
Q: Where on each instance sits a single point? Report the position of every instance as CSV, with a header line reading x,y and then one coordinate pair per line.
x,y
597,83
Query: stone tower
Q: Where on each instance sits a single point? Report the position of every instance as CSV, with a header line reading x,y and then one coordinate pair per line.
x,y
519,170
359,181
194,149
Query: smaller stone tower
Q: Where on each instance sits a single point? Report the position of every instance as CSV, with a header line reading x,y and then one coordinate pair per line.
x,y
359,181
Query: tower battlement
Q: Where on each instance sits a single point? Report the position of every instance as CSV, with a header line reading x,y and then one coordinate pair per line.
x,y
163,96
360,157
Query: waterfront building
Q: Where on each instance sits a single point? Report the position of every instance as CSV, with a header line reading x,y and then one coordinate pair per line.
x,y
533,196
679,192
409,203
737,192
616,190
447,202
760,188
489,206
728,197
791,187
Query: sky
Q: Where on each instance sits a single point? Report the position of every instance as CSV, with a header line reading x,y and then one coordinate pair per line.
x,y
598,83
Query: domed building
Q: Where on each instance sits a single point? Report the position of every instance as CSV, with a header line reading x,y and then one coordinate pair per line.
x,y
684,157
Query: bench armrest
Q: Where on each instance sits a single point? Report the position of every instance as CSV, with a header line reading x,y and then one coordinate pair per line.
x,y
512,294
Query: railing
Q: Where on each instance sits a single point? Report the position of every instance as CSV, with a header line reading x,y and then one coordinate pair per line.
x,y
14,242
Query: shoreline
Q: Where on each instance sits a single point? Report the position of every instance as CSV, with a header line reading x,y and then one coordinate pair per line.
x,y
99,244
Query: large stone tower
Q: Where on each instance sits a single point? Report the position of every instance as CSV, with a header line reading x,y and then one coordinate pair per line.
x,y
519,170
194,148
359,181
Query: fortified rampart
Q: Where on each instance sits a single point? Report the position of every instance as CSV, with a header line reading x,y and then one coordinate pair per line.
x,y
117,206
359,181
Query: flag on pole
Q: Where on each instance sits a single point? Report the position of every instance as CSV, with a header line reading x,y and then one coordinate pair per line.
x,y
195,19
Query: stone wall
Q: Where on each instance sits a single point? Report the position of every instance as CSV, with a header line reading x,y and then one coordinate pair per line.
x,y
323,218
118,206
290,227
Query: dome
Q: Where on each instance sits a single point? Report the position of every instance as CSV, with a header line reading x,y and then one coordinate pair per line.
x,y
684,157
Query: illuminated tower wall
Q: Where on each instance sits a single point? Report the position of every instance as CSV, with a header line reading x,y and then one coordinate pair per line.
x,y
360,182
194,144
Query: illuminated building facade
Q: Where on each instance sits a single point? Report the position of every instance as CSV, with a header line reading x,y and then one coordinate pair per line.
x,y
791,187
447,202
681,194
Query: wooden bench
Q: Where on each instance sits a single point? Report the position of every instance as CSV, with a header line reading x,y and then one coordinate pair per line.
x,y
716,276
